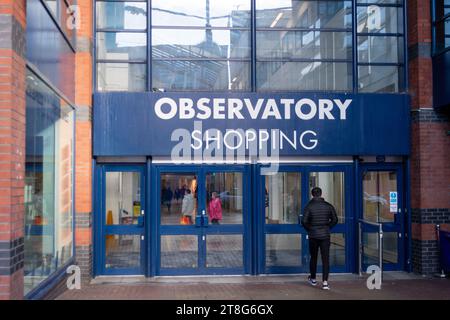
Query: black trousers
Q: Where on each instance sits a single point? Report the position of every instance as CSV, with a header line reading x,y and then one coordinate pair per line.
x,y
324,245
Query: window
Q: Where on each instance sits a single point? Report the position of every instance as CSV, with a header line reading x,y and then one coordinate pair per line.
x,y
380,41
441,25
303,45
48,192
198,45
121,48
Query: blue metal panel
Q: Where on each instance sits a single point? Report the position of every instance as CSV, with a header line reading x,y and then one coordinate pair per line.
x,y
126,124
49,50
441,80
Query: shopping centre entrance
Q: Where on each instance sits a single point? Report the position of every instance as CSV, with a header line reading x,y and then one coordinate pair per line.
x,y
165,219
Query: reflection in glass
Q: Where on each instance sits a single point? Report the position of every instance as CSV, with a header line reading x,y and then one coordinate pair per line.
x,y
201,75
288,76
224,197
303,14
121,46
178,198
379,78
175,43
180,251
377,186
124,15
337,250
123,251
371,248
122,198
379,49
48,203
377,19
224,251
333,190
442,30
282,198
201,13
121,76
303,45
283,250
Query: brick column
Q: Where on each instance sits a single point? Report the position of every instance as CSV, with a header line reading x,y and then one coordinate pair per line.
x,y
83,161
12,146
430,165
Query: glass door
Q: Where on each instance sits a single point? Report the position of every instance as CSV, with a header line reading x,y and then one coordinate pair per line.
x,y
202,214
285,195
382,199
122,217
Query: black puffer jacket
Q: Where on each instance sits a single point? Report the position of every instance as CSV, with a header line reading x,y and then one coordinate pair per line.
x,y
318,218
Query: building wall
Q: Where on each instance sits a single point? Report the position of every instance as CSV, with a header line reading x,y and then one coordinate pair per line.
x,y
430,165
12,146
83,161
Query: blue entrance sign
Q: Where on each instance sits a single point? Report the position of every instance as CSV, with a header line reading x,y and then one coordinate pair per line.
x,y
164,124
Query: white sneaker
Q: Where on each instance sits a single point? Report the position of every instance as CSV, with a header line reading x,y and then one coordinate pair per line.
x,y
313,282
325,285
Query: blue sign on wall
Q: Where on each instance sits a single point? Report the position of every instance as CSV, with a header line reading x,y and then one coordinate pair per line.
x,y
165,124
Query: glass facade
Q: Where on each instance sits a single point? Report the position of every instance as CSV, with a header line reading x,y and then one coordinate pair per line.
x,y
48,192
286,45
441,25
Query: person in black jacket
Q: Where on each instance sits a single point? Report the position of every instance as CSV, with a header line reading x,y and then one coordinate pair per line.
x,y
318,218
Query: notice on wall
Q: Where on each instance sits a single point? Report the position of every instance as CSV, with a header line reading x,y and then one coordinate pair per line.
x,y
393,202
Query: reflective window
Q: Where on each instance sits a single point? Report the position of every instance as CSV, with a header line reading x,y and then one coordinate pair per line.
x,y
283,250
379,49
121,46
333,190
174,43
442,33
337,250
380,42
182,75
281,39
282,198
124,15
371,248
121,76
48,202
214,35
224,198
200,13
121,55
178,198
304,45
380,78
283,75
303,14
377,19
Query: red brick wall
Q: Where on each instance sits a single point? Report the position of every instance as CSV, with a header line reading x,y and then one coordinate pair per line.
x,y
12,144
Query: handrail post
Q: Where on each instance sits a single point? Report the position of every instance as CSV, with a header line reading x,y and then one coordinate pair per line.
x,y
380,246
360,247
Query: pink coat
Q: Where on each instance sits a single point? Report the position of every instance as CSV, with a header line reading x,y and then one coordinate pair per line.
x,y
215,209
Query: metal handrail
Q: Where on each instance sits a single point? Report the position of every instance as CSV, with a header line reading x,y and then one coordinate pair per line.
x,y
380,244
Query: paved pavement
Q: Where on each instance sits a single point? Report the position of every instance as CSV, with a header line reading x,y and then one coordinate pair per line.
x,y
396,286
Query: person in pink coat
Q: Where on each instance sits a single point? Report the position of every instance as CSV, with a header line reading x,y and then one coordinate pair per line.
x,y
215,209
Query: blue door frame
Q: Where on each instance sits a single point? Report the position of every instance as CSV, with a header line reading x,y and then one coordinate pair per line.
x,y
102,229
243,229
400,224
345,228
